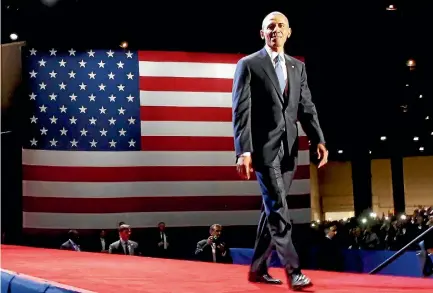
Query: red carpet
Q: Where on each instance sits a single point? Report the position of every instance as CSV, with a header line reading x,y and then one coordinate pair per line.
x,y
114,273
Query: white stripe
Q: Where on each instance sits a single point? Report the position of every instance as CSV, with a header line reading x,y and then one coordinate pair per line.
x,y
143,189
186,99
188,128
139,158
187,69
144,220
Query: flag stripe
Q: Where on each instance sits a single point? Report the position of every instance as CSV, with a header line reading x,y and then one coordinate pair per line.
x,y
152,204
149,189
184,84
141,173
206,114
125,159
144,220
173,56
185,99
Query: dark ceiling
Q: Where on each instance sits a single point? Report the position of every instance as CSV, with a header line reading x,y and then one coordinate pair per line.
x,y
355,54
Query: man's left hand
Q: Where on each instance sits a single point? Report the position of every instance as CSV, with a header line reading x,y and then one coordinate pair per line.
x,y
322,155
221,247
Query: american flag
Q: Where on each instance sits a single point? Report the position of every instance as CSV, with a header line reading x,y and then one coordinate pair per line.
x,y
139,137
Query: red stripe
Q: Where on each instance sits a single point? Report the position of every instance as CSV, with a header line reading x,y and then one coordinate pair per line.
x,y
146,173
158,56
186,143
162,113
185,84
152,204
197,143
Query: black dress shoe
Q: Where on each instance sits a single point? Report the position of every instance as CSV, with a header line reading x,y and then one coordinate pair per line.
x,y
265,278
299,282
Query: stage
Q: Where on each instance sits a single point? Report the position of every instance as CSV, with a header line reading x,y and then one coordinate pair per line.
x,y
116,273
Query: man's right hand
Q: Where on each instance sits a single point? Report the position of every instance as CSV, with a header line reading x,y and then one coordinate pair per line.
x,y
244,166
210,240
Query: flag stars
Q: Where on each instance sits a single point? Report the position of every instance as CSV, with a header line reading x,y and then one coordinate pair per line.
x,y
63,131
92,75
33,74
112,98
43,131
131,143
62,86
112,121
93,143
101,64
53,120
74,143
33,96
82,63
33,142
42,86
73,120
72,52
33,119
83,132
121,111
92,121
82,109
73,97
130,98
33,52
91,53
103,132
111,75
53,52
53,97
121,87
129,54
110,54
131,121
63,109
53,142
62,63
42,63
102,110
120,64
82,86
53,74
43,108
122,132
92,98
130,75
102,87
112,143
72,74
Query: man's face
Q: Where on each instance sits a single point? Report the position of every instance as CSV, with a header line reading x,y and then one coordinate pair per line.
x,y
161,227
275,30
125,234
216,231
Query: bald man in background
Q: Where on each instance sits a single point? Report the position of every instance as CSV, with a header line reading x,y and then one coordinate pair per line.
x,y
270,93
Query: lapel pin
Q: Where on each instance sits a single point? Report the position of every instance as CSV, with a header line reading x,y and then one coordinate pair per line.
x,y
293,66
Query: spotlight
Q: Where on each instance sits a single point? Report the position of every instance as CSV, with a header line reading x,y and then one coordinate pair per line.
x,y
13,36
383,138
124,45
391,8
340,151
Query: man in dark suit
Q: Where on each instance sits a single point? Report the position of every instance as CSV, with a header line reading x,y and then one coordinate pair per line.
x,y
124,245
72,243
270,93
213,249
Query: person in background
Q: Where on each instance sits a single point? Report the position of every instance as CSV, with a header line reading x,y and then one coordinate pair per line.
x,y
72,243
124,245
162,246
213,249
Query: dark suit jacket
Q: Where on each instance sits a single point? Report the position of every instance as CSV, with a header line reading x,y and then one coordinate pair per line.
x,y
204,253
263,115
68,246
117,248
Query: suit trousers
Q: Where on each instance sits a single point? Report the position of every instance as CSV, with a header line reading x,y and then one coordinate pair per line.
x,y
275,227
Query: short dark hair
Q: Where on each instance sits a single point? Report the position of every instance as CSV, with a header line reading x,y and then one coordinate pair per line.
x,y
124,227
213,227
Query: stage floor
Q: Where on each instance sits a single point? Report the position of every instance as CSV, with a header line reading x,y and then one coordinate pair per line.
x,y
117,273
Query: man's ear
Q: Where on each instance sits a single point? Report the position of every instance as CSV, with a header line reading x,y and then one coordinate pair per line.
x,y
262,34
289,32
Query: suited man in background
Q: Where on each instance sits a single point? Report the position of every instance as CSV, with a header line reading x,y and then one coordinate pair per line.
x,y
270,93
124,245
72,243
213,249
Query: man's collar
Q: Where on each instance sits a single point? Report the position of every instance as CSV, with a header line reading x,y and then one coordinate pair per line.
x,y
274,54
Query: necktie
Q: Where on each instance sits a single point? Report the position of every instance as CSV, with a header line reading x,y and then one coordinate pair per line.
x,y
126,248
280,72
